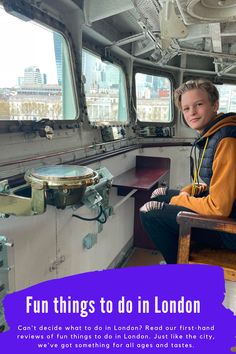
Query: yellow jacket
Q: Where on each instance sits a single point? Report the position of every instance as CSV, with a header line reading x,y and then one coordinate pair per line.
x,y
222,189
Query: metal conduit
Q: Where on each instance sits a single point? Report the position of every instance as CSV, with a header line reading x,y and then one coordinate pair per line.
x,y
59,153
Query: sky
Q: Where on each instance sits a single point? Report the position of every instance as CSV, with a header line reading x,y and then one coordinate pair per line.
x,y
24,44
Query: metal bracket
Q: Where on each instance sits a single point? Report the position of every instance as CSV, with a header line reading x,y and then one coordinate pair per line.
x,y
89,240
44,128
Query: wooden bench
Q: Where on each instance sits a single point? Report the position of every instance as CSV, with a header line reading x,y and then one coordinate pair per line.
x,y
223,258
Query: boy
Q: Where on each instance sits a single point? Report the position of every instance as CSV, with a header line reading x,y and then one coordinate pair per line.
x,y
199,102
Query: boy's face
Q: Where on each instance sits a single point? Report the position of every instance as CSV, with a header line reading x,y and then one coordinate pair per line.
x,y
197,109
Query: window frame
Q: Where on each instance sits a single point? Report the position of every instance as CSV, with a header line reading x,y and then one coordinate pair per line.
x,y
116,62
158,73
29,126
222,85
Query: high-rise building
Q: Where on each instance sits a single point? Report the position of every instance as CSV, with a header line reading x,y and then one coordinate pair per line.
x,y
32,75
20,80
44,79
58,55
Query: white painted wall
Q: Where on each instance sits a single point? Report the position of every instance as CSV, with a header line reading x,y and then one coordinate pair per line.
x,y
38,240
34,248
179,166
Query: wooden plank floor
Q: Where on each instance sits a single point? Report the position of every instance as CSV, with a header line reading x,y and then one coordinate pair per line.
x,y
143,257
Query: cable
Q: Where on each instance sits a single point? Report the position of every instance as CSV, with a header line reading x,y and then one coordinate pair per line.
x,y
97,218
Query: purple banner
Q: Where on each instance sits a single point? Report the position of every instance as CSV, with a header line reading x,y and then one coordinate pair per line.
x,y
158,309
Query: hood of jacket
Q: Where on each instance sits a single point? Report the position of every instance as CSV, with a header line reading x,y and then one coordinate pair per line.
x,y
220,121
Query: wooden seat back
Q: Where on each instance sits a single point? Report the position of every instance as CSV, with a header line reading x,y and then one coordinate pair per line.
x,y
222,257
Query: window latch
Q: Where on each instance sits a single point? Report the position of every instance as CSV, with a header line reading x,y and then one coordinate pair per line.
x,y
45,128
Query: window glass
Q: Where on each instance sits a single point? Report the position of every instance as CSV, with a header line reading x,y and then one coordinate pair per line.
x,y
105,89
35,77
153,97
227,98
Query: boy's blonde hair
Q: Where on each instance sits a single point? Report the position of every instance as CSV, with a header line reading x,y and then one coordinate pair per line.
x,y
201,84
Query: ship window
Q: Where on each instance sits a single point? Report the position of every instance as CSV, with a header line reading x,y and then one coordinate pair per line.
x,y
153,98
227,98
105,90
35,76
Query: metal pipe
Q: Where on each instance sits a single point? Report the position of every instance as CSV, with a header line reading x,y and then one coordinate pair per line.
x,y
206,54
225,70
41,157
144,61
117,205
129,39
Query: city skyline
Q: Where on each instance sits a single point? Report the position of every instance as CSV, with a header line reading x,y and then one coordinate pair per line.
x,y
36,49
32,75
